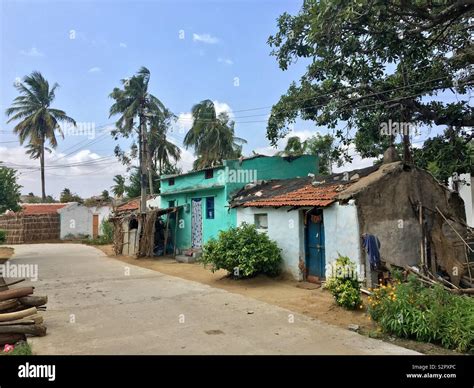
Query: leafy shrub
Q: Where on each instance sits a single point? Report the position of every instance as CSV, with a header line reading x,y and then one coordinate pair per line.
x,y
344,284
243,252
107,228
411,310
3,236
106,237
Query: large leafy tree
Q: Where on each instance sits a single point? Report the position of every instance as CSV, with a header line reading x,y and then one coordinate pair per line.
x,y
37,120
370,61
446,154
9,190
212,136
67,196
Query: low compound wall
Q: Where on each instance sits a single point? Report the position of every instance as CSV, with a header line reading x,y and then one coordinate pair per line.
x,y
30,228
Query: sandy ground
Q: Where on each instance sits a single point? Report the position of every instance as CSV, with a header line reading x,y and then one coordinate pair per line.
x,y
6,252
296,296
99,305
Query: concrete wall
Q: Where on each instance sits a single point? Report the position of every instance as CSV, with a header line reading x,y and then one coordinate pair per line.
x,y
23,229
286,229
466,192
76,219
342,236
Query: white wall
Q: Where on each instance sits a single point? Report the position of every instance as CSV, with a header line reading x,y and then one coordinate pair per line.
x,y
75,219
154,202
341,231
285,228
466,192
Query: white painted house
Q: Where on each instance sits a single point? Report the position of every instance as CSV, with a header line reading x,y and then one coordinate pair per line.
x,y
465,186
80,220
315,219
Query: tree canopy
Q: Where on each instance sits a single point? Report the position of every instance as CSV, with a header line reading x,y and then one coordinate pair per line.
x,y
371,61
9,190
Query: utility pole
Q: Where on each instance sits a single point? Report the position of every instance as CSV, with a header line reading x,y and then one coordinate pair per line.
x,y
142,164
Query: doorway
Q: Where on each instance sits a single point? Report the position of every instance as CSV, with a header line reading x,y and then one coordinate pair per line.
x,y
314,244
196,222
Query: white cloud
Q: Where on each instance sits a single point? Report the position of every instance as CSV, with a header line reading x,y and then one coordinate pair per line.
x,y
86,179
205,38
123,45
32,52
94,70
226,61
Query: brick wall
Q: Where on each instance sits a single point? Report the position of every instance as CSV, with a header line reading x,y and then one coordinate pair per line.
x,y
30,228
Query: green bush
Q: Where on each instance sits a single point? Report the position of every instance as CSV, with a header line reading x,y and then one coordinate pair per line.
x,y
429,314
106,237
3,236
243,252
344,284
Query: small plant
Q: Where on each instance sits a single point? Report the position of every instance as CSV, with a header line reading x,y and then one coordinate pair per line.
x,y
3,236
106,237
243,252
429,314
344,284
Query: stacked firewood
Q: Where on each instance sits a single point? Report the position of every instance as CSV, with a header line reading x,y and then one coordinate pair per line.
x,y
19,313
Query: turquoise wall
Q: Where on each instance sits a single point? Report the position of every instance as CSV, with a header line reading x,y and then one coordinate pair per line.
x,y
226,180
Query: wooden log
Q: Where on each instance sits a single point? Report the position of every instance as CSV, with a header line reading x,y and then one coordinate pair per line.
x,y
15,282
11,338
467,291
33,300
15,293
9,304
17,314
37,330
31,320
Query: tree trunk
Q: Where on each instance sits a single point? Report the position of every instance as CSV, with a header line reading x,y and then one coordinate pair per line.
x,y
38,330
11,338
43,188
15,293
34,300
17,314
142,165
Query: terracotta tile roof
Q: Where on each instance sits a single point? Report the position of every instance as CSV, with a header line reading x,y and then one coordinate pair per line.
x,y
134,204
308,195
41,208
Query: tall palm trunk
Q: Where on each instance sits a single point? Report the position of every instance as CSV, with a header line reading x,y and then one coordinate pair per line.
x,y
43,189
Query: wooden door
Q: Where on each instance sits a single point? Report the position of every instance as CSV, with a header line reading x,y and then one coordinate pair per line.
x,y
95,225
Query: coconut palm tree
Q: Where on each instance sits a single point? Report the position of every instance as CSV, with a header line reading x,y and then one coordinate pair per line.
x,y
119,188
136,105
294,147
162,151
212,136
37,121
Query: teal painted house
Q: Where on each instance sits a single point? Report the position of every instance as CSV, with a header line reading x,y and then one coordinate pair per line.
x,y
203,196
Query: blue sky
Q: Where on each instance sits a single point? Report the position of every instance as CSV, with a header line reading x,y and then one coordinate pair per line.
x,y
113,39
195,50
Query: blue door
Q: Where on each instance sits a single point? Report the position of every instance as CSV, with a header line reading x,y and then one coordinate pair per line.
x,y
315,255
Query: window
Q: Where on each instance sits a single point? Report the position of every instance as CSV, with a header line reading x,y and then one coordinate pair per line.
x,y
171,182
208,174
210,207
261,221
170,203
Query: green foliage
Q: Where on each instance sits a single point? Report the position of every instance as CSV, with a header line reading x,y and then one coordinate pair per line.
x,y
67,196
411,310
107,236
22,348
243,252
9,190
370,61
3,236
37,121
212,136
446,154
344,284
